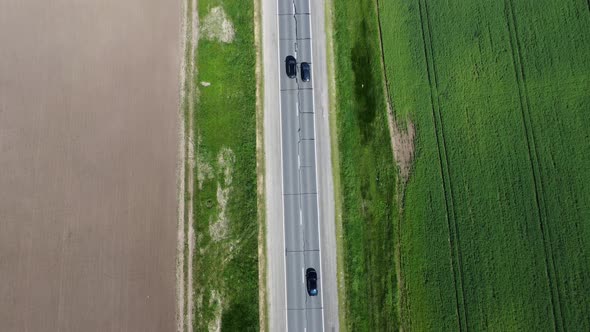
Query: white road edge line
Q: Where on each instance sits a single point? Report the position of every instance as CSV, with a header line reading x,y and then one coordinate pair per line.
x,y
316,166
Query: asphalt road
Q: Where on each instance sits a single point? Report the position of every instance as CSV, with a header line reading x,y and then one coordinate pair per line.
x,y
299,188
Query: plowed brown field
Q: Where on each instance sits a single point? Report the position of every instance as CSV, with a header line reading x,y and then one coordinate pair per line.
x,y
88,147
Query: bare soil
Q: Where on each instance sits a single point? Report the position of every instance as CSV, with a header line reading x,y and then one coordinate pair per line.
x,y
88,147
402,142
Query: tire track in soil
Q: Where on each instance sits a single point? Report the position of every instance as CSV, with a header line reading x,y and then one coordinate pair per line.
x,y
454,244
186,165
533,157
190,179
181,178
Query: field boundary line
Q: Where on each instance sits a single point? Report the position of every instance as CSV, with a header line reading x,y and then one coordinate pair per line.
x,y
181,175
192,39
533,157
402,304
455,253
185,231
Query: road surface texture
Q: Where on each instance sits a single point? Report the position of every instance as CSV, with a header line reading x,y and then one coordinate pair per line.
x,y
88,146
299,188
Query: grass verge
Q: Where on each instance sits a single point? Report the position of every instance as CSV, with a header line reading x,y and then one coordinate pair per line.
x,y
225,203
366,170
340,273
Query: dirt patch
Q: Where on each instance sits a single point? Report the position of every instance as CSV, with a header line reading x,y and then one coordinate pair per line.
x,y
402,142
204,172
218,229
226,160
217,26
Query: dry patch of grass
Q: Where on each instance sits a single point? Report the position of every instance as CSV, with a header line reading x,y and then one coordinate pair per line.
x,y
217,26
217,303
218,229
204,171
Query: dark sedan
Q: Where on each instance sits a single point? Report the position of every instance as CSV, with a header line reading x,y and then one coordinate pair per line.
x,y
291,66
312,281
305,72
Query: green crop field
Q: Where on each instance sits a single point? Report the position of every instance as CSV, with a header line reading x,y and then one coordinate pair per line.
x,y
226,226
494,233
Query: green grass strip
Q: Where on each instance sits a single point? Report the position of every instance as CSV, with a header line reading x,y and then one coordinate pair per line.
x,y
226,222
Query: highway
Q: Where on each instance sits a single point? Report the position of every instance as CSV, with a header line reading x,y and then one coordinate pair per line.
x,y
299,188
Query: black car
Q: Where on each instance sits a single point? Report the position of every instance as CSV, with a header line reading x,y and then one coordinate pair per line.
x,y
305,71
291,65
312,282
